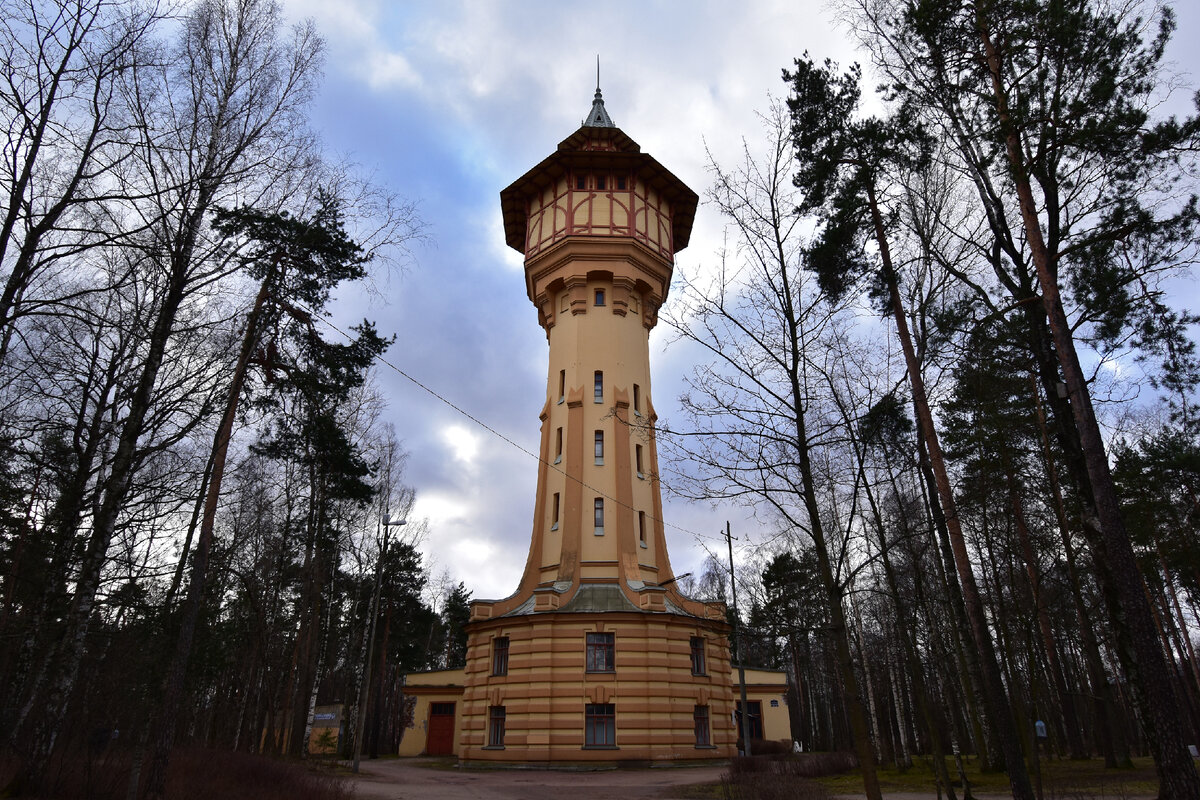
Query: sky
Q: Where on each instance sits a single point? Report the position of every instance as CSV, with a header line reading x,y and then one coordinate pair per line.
x,y
446,103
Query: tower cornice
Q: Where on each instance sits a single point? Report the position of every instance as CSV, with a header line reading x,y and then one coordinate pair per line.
x,y
633,268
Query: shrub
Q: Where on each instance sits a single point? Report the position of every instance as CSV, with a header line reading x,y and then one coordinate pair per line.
x,y
782,776
798,765
198,774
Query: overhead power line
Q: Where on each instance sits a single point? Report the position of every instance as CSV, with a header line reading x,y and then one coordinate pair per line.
x,y
509,441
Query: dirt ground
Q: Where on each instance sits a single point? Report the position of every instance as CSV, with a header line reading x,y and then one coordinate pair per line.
x,y
416,779
434,779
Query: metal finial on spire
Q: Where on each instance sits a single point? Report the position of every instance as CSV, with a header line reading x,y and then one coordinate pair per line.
x,y
598,118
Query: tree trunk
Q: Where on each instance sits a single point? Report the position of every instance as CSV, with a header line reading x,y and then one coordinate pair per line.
x,y
916,671
995,697
41,732
838,628
163,735
1066,701
1142,655
1103,702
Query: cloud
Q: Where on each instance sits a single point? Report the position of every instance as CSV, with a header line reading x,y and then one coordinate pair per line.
x,y
463,444
387,70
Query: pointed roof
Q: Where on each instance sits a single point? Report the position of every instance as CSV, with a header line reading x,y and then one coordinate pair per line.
x,y
598,118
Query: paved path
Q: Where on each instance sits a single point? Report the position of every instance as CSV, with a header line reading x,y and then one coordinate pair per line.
x,y
407,779
434,779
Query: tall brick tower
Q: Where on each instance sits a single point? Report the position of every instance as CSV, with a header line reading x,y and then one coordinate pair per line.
x,y
597,656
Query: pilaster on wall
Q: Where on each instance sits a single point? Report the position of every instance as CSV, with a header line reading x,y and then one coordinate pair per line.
x,y
546,688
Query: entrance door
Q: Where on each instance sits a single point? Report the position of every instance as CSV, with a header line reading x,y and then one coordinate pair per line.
x,y
439,736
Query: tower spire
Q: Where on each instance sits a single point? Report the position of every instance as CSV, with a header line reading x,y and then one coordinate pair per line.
x,y
598,117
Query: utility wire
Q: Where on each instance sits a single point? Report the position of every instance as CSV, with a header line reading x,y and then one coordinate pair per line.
x,y
502,437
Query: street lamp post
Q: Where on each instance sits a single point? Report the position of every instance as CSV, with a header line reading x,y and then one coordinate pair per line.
x,y
369,645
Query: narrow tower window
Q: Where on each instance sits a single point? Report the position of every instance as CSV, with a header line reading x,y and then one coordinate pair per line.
x,y
500,655
554,523
599,297
637,455
642,528
599,448
599,516
562,385
697,647
637,399
496,717
700,717
598,392
558,446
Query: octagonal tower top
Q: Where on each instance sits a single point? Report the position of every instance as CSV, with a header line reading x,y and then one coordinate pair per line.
x,y
596,169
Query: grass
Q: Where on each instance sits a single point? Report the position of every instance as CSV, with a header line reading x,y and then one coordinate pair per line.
x,y
1060,778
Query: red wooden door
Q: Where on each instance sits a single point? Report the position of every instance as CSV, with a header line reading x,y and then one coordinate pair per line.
x,y
439,735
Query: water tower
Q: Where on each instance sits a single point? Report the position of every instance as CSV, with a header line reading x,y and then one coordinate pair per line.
x,y
597,656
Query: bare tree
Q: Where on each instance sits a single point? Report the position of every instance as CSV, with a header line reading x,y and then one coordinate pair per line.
x,y
761,427
68,133
222,117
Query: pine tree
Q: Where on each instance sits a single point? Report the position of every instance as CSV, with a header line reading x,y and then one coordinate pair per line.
x,y
1046,105
845,163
